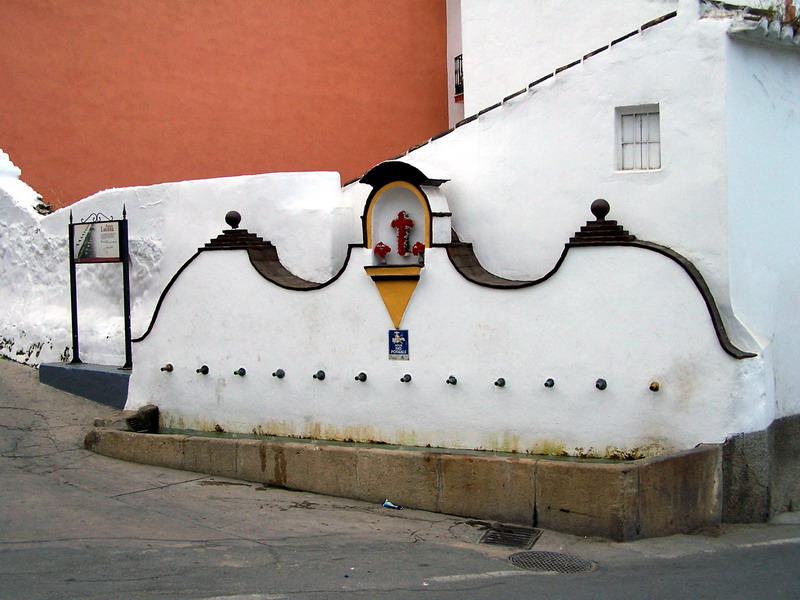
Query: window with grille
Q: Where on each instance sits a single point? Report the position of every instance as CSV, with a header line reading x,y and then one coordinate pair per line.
x,y
459,74
639,138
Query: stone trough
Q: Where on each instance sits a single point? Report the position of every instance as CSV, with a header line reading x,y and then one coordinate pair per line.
x,y
619,500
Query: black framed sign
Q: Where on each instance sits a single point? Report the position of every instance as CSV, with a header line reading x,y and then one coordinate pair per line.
x,y
97,242
99,239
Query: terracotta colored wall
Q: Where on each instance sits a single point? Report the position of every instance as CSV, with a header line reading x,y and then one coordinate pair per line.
x,y
109,93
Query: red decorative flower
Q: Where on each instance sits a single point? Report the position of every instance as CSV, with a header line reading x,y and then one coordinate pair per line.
x,y
418,249
382,249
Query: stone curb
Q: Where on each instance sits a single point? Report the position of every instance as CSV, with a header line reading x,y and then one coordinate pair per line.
x,y
665,495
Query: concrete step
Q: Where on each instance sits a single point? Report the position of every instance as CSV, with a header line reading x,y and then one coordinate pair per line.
x,y
101,383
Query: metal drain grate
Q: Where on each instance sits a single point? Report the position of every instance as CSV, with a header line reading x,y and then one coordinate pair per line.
x,y
551,562
509,535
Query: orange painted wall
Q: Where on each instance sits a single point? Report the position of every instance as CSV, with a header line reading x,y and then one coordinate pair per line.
x,y
110,93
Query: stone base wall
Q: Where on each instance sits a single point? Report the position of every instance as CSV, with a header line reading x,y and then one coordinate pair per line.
x,y
761,472
622,501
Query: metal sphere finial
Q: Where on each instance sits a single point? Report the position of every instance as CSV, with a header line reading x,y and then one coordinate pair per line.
x,y
233,219
600,209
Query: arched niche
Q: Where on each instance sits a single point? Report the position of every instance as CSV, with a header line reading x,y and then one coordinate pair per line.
x,y
404,209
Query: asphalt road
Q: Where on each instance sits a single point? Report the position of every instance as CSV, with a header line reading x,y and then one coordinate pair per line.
x,y
78,525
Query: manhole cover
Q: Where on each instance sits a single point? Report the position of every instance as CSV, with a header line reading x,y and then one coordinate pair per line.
x,y
509,535
551,562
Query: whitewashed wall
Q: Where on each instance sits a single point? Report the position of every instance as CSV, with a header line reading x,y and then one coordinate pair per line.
x,y
522,177
509,43
763,153
167,223
523,174
28,286
600,316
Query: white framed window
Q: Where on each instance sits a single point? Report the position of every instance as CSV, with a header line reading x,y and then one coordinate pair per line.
x,y
638,138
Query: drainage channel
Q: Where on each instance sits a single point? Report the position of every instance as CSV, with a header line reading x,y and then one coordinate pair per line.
x,y
525,537
510,535
551,562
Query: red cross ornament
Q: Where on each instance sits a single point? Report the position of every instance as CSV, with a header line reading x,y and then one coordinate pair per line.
x,y
402,224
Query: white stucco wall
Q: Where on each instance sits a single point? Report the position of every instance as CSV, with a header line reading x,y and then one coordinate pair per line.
x,y
22,248
523,175
167,223
509,43
600,316
763,153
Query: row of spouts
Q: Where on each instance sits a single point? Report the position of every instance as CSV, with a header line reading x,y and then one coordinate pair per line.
x,y
600,384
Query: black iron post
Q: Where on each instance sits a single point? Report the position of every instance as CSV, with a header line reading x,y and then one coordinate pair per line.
x,y
126,288
73,294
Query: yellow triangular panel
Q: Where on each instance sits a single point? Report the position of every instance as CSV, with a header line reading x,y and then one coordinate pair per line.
x,y
395,284
396,294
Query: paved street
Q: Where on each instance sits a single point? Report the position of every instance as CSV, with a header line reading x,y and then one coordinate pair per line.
x,y
79,525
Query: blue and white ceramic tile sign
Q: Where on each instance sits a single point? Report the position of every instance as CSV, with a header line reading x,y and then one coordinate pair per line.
x,y
398,344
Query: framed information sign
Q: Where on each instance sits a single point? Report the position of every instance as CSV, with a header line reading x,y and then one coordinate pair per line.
x,y
99,239
97,242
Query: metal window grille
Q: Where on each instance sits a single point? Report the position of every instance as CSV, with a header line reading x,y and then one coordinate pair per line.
x,y
459,79
640,139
